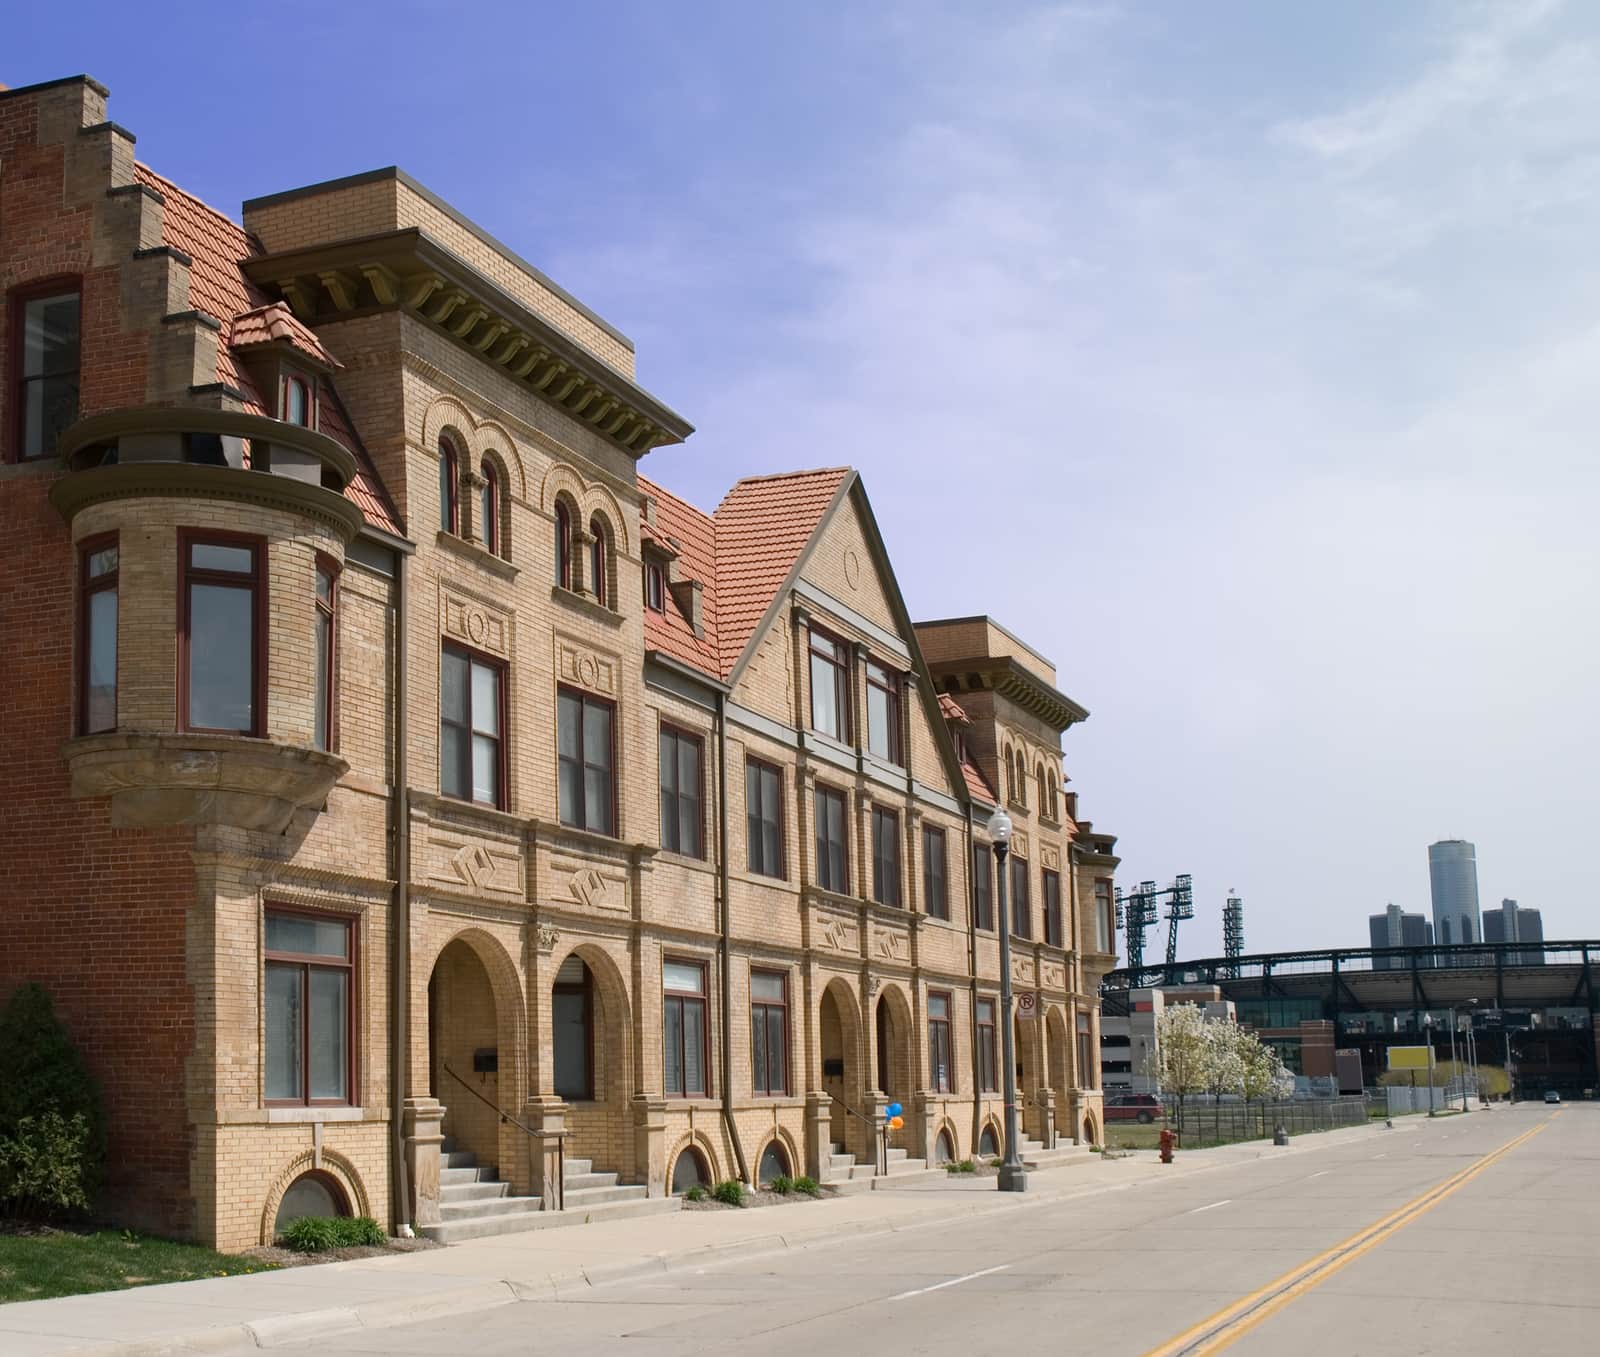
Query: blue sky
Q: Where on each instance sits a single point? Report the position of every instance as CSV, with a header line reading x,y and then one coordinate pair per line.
x,y
1241,355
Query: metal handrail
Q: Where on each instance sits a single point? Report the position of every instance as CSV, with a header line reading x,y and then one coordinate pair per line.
x,y
561,1136
882,1166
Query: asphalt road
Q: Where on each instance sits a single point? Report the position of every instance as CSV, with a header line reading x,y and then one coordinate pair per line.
x,y
1430,1238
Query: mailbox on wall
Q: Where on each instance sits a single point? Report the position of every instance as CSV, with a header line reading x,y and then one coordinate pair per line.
x,y
486,1060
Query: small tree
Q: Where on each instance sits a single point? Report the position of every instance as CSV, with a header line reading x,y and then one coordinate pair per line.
x,y
1228,1044
52,1127
1183,1054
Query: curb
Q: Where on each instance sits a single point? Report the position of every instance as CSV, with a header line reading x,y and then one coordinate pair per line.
x,y
276,1330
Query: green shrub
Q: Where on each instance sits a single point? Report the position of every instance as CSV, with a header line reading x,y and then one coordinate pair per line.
x,y
961,1166
315,1234
808,1185
731,1192
44,1167
52,1124
783,1185
695,1194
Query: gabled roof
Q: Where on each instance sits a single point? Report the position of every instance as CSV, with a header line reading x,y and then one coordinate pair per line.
x,y
216,247
693,536
275,323
764,526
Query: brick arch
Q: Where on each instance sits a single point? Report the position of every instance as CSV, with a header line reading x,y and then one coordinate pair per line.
x,y
1057,1046
699,1141
494,437
944,1127
990,1123
597,499
613,1054
846,1033
1091,1129
785,1141
559,478
446,413
335,1166
900,1031
504,980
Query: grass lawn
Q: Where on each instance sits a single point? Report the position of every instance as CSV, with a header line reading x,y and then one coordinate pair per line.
x,y
36,1266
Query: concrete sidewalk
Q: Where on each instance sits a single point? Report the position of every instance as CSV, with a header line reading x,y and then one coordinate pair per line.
x,y
265,1309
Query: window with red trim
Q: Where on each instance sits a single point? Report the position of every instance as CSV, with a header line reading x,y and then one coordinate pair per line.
x,y
222,646
46,325
489,506
472,748
309,1008
297,401
684,1033
325,735
830,686
597,559
1021,908
563,546
769,1033
655,593
935,875
941,1070
586,778
97,634
449,487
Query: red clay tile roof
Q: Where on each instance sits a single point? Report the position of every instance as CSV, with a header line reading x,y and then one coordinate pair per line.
x,y
218,287
951,710
275,323
693,535
762,527
977,784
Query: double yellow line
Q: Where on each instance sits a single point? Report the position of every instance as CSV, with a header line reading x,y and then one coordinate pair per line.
x,y
1232,1322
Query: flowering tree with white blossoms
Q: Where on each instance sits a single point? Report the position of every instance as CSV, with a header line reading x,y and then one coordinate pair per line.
x,y
1197,1054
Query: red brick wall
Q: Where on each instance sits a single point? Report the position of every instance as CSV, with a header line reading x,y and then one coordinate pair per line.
x,y
95,914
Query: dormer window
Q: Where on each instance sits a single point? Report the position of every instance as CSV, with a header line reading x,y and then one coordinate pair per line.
x,y
655,589
297,401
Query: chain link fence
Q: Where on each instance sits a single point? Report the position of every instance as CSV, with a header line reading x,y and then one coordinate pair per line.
x,y
1207,1123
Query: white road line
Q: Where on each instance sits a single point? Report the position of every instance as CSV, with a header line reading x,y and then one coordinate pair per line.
x,y
954,1281
1197,1210
1324,1173
1379,1156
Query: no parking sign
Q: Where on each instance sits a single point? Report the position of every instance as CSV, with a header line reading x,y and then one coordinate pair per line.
x,y
1028,1004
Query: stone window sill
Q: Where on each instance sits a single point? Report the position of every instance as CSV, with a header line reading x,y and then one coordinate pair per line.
x,y
478,554
588,607
315,1114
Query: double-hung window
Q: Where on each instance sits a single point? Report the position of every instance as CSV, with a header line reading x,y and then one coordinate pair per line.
x,y
988,1060
326,659
983,886
830,686
309,1008
1052,908
833,851
45,332
1021,908
683,1027
769,1033
941,1073
97,634
471,718
885,856
763,808
221,638
883,713
655,589
586,755
679,759
1105,917
935,884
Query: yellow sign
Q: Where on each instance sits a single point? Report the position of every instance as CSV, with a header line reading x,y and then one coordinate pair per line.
x,y
1409,1057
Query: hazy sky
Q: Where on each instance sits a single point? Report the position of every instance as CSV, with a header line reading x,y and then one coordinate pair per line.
x,y
1244,357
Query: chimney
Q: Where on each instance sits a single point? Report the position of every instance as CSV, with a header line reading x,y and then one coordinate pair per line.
x,y
687,595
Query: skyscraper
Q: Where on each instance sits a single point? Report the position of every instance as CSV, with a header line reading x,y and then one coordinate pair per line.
x,y
1453,876
1395,928
1512,923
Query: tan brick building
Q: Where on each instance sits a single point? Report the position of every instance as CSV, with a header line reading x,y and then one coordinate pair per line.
x,y
389,761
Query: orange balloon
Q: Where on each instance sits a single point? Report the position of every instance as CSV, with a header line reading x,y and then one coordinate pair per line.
x,y
895,1123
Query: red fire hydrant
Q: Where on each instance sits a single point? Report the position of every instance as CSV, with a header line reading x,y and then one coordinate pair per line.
x,y
1169,1139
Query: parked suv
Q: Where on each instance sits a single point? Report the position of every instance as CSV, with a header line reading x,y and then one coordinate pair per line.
x,y
1140,1107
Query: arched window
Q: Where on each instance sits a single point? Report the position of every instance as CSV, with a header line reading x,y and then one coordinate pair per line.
x,y
1044,790
296,401
1011,777
489,506
563,546
689,1170
774,1163
449,479
943,1151
597,558
988,1142
311,1194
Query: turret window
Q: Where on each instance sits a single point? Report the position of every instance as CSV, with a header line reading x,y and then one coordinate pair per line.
x,y
97,612
221,639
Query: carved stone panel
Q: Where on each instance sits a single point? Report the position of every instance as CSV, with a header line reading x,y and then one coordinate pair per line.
x,y
1019,844
836,933
1022,970
473,623
591,887
1053,975
889,942
1049,857
466,864
586,667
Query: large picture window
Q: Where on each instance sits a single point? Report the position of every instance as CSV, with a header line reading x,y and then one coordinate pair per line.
x,y
763,806
988,1061
983,886
883,713
683,1026
830,686
833,845
222,634
586,755
45,332
935,876
769,1033
327,654
98,564
309,1008
1052,907
679,757
885,856
1021,906
941,1073
471,719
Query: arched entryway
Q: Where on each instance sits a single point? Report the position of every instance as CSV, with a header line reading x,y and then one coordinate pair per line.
x,y
839,1036
1059,1062
572,1031
1030,1075
464,1051
591,1054
892,1049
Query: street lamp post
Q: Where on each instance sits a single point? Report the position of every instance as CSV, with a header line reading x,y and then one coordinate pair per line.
x,y
1455,1064
1427,1024
1013,1176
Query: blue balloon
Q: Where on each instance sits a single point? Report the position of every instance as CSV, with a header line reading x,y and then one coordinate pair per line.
x,y
893,1110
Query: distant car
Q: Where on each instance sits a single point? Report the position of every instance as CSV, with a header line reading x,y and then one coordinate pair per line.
x,y
1550,1096
1143,1108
